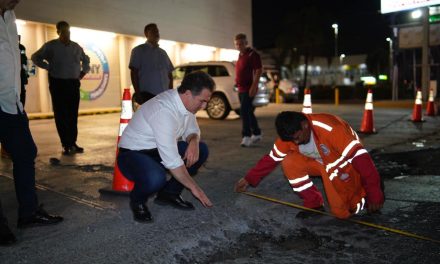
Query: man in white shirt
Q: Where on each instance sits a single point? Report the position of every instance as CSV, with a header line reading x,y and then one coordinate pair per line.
x,y
163,136
14,131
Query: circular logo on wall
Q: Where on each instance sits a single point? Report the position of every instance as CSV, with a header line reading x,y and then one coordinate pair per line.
x,y
96,80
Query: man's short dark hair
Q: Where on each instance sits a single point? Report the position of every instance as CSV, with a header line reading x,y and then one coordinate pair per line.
x,y
149,27
287,123
240,36
196,82
62,24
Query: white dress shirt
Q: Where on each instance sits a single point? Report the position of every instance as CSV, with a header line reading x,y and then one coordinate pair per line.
x,y
10,65
160,123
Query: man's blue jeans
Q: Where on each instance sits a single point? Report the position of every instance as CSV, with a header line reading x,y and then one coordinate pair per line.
x,y
17,140
250,125
149,175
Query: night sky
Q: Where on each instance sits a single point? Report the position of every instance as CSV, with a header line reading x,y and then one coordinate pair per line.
x,y
361,26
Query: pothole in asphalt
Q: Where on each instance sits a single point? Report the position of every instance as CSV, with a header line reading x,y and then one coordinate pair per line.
x,y
253,246
418,162
85,168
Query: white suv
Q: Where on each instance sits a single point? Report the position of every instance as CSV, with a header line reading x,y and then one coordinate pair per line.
x,y
225,97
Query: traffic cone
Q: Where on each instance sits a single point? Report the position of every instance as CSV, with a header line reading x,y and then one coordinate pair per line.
x,y
122,185
417,111
307,104
431,108
367,126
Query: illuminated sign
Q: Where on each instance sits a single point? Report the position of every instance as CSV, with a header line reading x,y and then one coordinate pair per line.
x,y
388,6
96,81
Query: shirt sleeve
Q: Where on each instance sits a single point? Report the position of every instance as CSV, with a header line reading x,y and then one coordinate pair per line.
x,y
85,62
256,61
370,178
192,127
164,126
267,163
39,57
134,59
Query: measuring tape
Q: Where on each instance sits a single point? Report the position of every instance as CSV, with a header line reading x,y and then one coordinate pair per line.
x,y
400,232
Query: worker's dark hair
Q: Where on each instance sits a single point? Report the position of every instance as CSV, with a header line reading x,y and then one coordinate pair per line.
x,y
287,123
62,24
149,27
196,82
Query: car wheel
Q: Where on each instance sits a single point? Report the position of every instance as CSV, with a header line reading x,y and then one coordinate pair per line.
x,y
218,107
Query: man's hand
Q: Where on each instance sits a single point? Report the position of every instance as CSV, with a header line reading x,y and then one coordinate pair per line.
x,y
192,152
241,185
81,75
253,90
199,194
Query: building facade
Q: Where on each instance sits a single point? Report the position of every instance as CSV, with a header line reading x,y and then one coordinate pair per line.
x,y
191,30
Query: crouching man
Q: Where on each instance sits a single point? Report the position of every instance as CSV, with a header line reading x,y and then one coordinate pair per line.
x,y
321,145
163,136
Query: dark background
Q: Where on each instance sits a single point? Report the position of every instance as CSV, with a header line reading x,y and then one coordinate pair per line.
x,y
362,28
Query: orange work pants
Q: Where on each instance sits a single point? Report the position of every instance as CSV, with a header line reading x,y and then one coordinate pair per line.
x,y
344,196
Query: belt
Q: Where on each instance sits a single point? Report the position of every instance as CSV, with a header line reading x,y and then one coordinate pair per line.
x,y
144,151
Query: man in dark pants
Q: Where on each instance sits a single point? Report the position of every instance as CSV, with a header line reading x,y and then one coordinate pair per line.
x,y
247,76
14,132
67,64
163,136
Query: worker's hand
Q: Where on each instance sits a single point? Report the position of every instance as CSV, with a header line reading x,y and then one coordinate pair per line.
x,y
241,185
199,194
374,207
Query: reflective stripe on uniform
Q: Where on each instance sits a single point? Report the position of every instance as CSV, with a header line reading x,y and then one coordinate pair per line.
x,y
279,153
302,188
298,180
320,124
273,156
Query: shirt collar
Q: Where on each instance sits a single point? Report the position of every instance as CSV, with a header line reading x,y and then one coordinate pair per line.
x,y
180,106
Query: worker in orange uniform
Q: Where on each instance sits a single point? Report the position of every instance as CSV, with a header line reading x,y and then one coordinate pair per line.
x,y
325,145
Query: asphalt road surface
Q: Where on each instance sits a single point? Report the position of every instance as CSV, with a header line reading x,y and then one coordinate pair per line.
x,y
239,228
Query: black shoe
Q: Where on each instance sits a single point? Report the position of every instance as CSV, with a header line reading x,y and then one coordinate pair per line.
x,y
77,149
40,218
175,201
308,214
68,151
7,238
141,213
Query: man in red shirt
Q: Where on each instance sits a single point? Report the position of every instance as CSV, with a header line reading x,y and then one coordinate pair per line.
x,y
324,145
247,75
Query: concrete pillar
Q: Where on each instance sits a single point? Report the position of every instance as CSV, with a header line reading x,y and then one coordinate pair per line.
x,y
43,82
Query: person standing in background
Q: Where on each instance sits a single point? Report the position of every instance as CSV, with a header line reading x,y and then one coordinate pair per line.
x,y
247,75
67,64
150,67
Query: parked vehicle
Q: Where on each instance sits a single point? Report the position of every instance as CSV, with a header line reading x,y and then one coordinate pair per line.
x,y
288,90
225,97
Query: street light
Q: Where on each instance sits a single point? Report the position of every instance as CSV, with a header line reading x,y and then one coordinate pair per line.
x,y
335,27
393,81
341,58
